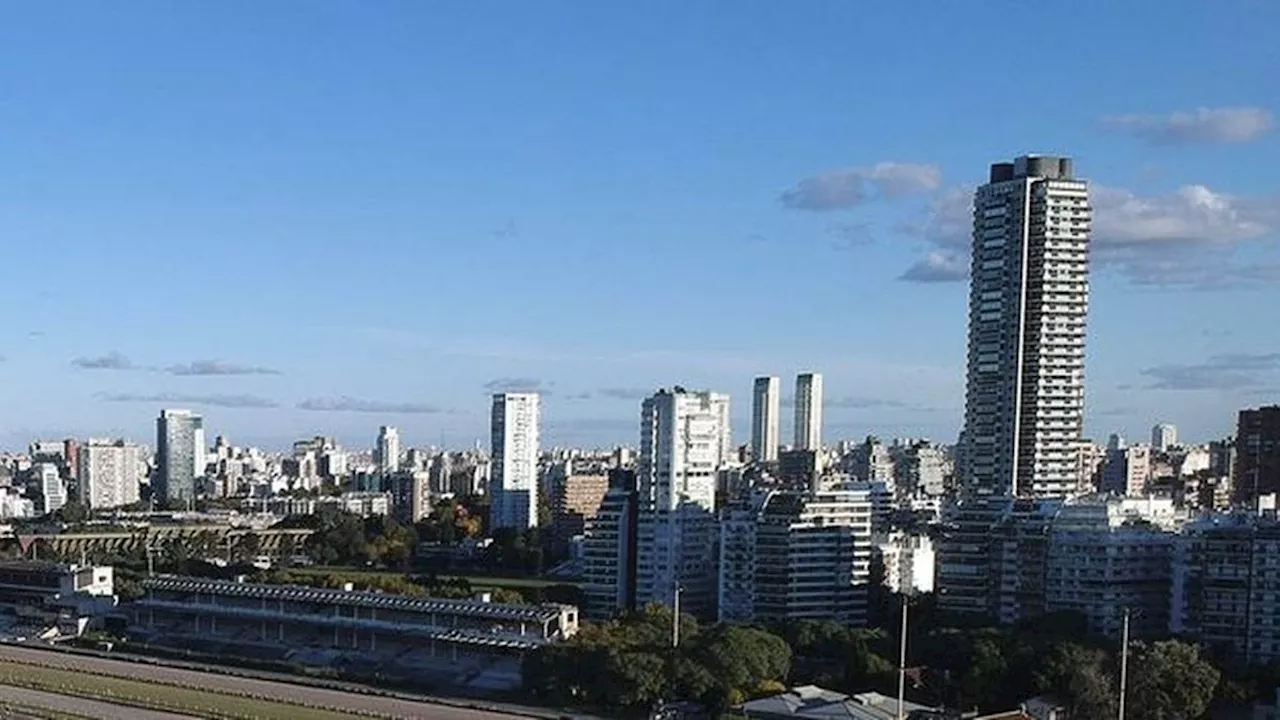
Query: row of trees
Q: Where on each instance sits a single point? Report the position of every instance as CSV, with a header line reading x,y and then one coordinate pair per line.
x,y
628,664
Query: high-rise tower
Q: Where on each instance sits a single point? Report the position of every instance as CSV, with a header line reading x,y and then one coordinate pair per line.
x,y
388,450
1028,297
764,418
513,484
808,411
179,455
683,442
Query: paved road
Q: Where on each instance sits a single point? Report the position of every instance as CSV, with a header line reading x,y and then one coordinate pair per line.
x,y
76,706
337,700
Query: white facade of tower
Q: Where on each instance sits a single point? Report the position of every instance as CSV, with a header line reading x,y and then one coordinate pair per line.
x,y
513,483
1028,298
683,437
110,472
51,487
1164,436
388,450
765,402
808,411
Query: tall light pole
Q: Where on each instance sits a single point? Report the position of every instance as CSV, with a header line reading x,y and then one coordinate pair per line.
x,y
675,619
1124,663
902,664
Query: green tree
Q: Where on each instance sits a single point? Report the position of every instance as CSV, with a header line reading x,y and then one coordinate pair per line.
x,y
1170,681
1081,678
72,513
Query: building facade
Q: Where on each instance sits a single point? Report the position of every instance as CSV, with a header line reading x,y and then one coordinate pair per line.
x,y
52,489
1225,586
387,451
766,396
179,456
513,483
808,425
609,549
1028,298
789,556
684,440
1257,455
1164,436
110,473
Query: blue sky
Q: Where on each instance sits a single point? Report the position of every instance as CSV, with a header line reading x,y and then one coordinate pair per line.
x,y
306,218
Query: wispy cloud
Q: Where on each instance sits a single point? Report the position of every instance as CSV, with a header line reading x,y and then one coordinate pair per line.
x,y
850,187
350,404
938,266
1200,126
1235,371
226,401
850,236
624,393
111,361
1184,239
860,402
218,367
518,384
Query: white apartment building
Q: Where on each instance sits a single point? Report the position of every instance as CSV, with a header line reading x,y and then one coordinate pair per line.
x,y
387,452
791,556
513,484
684,440
765,409
110,473
909,562
1106,556
1028,298
14,506
808,427
1012,559
1164,436
51,487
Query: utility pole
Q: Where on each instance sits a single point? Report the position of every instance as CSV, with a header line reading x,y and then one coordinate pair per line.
x,y
675,620
1124,662
902,665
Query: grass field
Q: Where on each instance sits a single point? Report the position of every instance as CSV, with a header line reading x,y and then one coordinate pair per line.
x,y
156,696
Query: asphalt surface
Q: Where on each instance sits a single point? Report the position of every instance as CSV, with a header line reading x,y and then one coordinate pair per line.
x,y
74,706
333,699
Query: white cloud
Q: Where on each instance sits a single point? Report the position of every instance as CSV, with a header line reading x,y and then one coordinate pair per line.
x,y
843,189
1185,238
938,266
1202,125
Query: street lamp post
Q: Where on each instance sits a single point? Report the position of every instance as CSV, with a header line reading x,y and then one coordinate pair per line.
x,y
902,664
1124,663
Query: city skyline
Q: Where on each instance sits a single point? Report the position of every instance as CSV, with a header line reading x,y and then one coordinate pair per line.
x,y
349,250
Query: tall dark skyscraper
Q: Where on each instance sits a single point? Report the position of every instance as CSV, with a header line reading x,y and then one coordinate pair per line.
x,y
1257,454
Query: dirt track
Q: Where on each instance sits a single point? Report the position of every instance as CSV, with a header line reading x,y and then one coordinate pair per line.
x,y
79,706
334,699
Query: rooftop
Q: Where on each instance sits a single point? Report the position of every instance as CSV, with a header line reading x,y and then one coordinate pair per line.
x,y
811,701
302,593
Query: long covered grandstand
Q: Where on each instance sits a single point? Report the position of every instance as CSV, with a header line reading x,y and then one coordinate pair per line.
x,y
472,643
